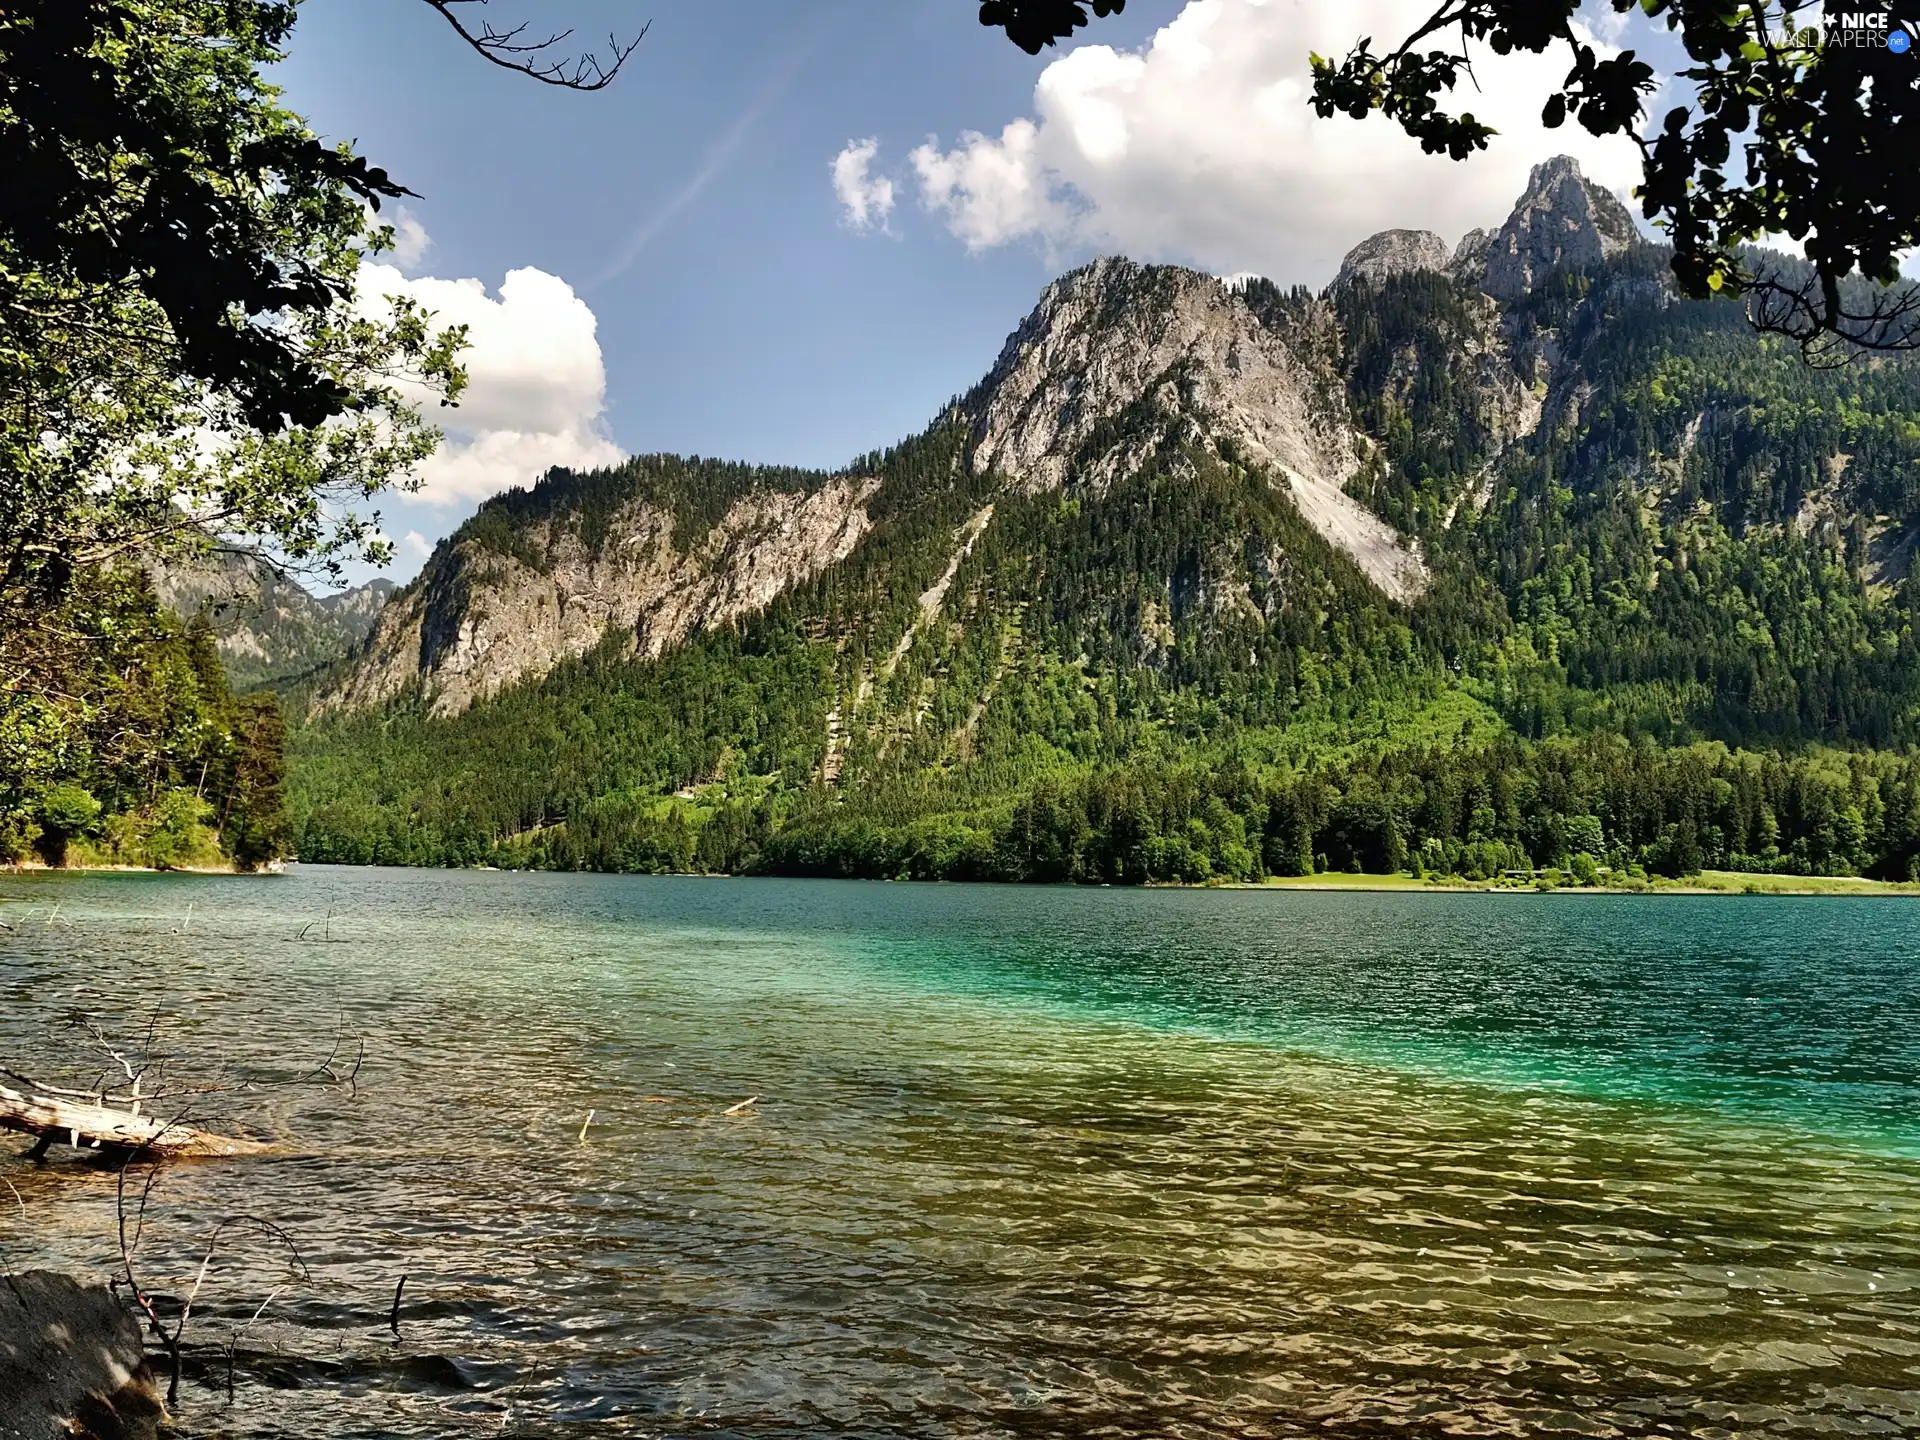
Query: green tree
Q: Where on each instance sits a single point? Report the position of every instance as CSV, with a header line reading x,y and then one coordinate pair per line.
x,y
255,828
182,345
65,812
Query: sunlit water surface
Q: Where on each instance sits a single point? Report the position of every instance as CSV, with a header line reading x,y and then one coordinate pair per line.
x,y
1024,1162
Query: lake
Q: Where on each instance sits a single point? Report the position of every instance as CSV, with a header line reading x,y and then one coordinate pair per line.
x,y
1028,1162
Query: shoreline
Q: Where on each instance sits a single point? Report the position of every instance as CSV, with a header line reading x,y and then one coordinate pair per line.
x,y
1708,882
40,867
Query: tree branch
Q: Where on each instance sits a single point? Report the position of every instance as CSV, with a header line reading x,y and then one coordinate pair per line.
x,y
510,51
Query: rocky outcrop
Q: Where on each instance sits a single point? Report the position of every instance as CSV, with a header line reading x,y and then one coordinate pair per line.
x,y
72,1365
1393,252
1469,260
480,619
1563,221
268,626
1116,336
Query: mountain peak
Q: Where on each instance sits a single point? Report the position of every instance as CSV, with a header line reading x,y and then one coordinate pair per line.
x,y
1393,252
1121,359
1562,221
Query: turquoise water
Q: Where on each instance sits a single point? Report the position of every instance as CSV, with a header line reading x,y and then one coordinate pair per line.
x,y
1030,1162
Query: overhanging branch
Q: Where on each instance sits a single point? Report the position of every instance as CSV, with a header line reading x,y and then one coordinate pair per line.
x,y
513,49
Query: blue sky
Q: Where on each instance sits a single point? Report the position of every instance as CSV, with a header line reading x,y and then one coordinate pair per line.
x,y
690,242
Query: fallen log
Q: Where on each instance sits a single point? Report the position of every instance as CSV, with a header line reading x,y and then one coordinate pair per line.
x,y
87,1125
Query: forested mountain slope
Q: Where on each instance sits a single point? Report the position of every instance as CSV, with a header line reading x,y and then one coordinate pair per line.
x,y
1488,556
268,627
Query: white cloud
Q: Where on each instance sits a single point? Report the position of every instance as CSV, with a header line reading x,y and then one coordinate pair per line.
x,y
866,198
1203,147
537,388
410,241
414,546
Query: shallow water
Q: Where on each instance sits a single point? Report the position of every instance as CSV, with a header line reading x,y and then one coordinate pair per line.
x,y
1025,1162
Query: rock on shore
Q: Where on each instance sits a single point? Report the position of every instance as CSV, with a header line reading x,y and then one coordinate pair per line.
x,y
72,1365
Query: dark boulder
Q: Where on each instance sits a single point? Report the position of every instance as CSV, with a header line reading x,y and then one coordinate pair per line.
x,y
72,1365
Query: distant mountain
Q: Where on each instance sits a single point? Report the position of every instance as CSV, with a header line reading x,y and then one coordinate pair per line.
x,y
1513,494
654,551
1116,359
270,627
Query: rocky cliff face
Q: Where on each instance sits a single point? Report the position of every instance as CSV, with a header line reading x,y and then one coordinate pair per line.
x,y
481,618
1562,221
1116,336
269,626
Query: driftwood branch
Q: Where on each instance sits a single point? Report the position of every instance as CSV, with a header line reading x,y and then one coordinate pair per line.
x,y
52,1119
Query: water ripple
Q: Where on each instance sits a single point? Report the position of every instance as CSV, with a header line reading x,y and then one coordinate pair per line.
x,y
1024,1163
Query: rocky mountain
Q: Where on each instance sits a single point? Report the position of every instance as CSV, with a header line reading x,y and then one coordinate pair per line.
x,y
545,575
1393,252
1119,339
270,628
1563,222
1516,487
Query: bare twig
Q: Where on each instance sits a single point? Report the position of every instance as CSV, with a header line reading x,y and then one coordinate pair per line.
x,y
170,1344
206,1261
1814,314
233,1343
170,1339
393,1315
513,49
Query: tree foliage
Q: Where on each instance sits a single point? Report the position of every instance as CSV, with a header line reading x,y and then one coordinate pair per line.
x,y
1035,24
185,351
182,344
121,740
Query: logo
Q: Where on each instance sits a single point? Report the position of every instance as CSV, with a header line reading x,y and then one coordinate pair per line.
x,y
1846,30
1865,30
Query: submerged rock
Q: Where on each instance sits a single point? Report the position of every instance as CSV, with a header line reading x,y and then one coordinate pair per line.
x,y
72,1364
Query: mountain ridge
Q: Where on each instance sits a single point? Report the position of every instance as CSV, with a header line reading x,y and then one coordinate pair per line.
x,y
268,627
1104,339
1166,549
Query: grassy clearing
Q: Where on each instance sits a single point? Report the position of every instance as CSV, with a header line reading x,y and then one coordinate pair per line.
x,y
1341,881
1444,717
1732,882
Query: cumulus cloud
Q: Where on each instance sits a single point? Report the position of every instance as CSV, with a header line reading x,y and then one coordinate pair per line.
x,y
866,198
537,389
1202,147
414,546
410,241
